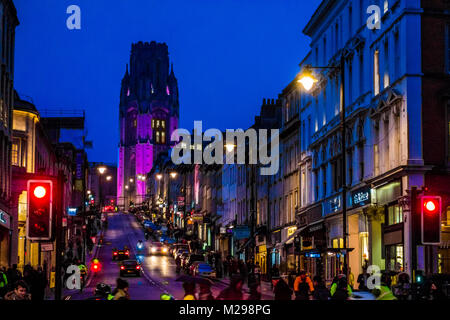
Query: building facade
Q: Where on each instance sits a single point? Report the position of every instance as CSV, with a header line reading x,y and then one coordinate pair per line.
x,y
8,24
148,114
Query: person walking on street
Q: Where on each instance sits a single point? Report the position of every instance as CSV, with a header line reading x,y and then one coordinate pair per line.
x,y
340,289
234,291
3,282
189,290
303,286
254,292
320,289
13,275
362,280
19,292
384,291
257,271
282,291
205,292
121,291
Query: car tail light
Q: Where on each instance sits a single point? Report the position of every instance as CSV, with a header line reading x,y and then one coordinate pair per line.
x,y
115,253
127,252
138,267
122,268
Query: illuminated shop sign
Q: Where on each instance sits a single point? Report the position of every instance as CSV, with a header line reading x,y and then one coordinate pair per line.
x,y
361,197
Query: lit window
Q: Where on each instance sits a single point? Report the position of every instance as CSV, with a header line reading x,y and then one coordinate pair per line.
x,y
376,72
135,123
386,6
157,136
15,154
163,137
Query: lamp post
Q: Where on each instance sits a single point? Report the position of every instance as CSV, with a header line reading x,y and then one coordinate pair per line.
x,y
172,175
101,170
308,80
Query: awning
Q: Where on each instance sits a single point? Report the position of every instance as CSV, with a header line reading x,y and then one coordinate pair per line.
x,y
291,238
246,244
445,244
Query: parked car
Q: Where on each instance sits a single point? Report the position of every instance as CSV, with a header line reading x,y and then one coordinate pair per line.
x,y
179,252
184,258
177,246
204,269
194,257
128,267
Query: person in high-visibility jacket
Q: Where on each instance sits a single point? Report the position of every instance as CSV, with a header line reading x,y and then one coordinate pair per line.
x,y
302,285
334,286
3,283
384,292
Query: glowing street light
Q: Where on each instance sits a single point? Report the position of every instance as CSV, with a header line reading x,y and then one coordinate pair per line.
x,y
173,174
159,176
101,169
307,79
131,180
108,178
126,187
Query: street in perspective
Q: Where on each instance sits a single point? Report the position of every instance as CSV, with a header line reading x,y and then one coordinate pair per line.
x,y
225,151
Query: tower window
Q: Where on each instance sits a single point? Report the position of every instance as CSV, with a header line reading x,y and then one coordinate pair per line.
x,y
159,130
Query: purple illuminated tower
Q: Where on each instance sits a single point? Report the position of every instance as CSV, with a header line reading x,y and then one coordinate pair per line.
x,y
149,111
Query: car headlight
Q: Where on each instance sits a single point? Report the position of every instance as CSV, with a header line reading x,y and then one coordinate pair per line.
x,y
164,250
153,249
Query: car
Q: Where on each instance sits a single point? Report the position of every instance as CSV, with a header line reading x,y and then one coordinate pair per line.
x,y
128,267
121,254
192,258
184,258
177,246
204,269
179,252
158,248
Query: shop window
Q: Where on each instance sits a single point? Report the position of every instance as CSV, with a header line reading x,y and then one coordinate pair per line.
x,y
394,258
364,239
338,243
395,214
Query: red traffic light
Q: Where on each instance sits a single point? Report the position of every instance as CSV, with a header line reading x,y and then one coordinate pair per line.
x,y
39,209
39,192
431,219
430,206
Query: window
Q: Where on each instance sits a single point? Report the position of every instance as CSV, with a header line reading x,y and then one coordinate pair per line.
x,y
386,79
15,152
159,131
324,180
135,123
376,72
395,214
361,162
350,166
397,64
336,174
394,258
338,243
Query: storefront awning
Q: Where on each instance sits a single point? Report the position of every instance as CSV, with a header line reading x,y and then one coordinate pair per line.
x,y
291,238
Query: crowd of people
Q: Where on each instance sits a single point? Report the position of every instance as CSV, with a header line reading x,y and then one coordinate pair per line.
x,y
29,285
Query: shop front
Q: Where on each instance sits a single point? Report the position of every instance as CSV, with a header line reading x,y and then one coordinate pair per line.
x,y
5,238
275,252
386,229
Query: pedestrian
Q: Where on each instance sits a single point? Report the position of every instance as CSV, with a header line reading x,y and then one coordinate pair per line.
x,y
384,291
205,292
351,278
121,291
13,275
3,282
225,267
403,288
362,279
234,291
39,285
257,271
218,265
340,290
20,292
320,289
254,292
303,286
282,290
189,290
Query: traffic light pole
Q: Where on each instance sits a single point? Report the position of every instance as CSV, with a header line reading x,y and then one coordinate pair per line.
x,y
59,250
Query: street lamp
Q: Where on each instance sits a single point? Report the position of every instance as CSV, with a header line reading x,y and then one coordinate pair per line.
x,y
159,176
108,178
131,180
308,80
230,147
101,170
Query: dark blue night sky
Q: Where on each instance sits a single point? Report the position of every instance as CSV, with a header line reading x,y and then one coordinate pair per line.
x,y
228,55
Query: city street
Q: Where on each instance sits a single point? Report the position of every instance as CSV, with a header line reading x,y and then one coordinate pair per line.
x,y
158,272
